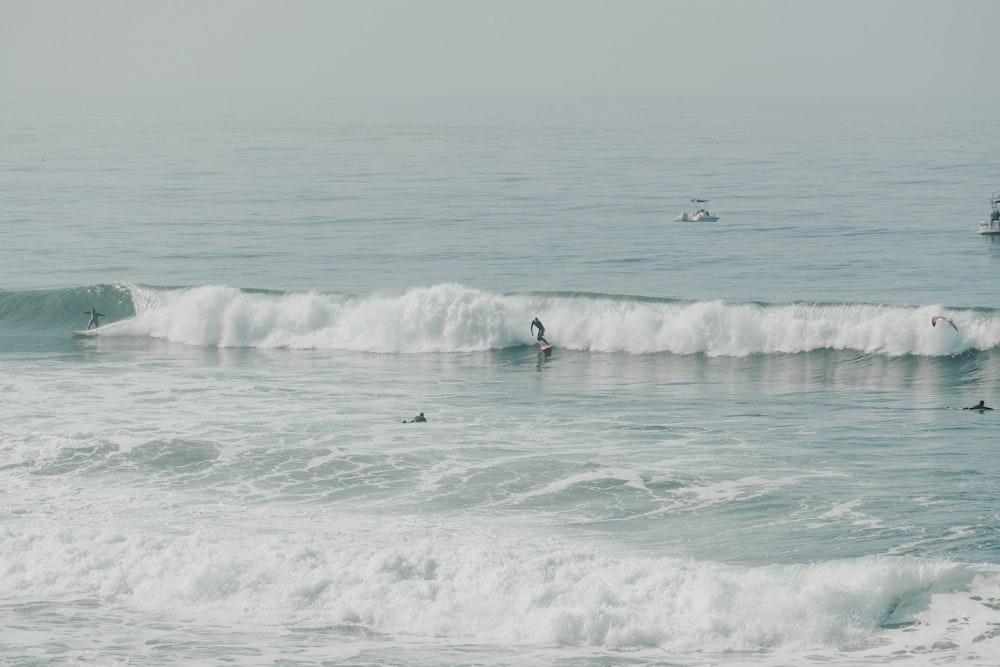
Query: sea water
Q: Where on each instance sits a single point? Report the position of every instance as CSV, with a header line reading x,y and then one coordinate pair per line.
x,y
747,447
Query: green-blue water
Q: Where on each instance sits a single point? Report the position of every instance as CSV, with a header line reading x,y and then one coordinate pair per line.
x,y
748,446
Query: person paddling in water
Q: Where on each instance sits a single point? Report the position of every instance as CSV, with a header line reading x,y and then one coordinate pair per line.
x,y
93,318
417,419
980,406
541,330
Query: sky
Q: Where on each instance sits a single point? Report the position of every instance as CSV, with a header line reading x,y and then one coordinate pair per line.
x,y
855,49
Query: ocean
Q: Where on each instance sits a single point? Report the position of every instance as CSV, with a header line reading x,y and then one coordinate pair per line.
x,y
747,447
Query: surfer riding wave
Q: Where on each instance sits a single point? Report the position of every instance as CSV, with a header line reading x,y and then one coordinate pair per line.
x,y
93,318
541,330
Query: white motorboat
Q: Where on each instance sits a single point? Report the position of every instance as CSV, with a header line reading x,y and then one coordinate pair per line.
x,y
700,214
993,226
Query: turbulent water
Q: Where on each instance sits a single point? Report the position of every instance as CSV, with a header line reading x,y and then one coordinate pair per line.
x,y
747,446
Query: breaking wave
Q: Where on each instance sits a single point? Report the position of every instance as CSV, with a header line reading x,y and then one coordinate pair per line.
x,y
454,318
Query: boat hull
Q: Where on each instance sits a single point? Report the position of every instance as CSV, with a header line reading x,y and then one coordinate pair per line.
x,y
696,217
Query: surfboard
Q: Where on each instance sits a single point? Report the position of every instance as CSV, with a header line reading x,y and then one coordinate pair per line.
x,y
84,333
546,348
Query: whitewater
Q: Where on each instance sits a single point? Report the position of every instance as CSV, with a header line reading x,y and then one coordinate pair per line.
x,y
453,318
748,446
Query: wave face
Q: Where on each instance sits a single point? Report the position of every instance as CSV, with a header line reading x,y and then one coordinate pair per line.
x,y
36,311
454,318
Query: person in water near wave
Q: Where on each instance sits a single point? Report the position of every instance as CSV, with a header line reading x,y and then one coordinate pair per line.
x,y
541,330
418,418
93,318
980,406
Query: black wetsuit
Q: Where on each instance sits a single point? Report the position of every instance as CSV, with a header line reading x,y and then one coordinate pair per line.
x,y
93,318
541,330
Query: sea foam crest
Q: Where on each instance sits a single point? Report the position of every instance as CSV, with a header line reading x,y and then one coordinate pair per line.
x,y
504,592
450,317
431,319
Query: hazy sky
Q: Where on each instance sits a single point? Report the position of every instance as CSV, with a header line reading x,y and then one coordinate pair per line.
x,y
898,48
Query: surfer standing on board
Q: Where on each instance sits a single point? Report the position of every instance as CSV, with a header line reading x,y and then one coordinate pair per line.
x,y
541,330
93,318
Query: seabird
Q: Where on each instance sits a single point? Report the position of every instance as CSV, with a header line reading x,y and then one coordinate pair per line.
x,y
935,318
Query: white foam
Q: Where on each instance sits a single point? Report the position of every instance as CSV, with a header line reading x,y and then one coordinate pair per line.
x,y
628,478
451,317
410,579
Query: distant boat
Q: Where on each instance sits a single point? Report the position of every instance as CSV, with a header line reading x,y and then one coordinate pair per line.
x,y
993,226
700,214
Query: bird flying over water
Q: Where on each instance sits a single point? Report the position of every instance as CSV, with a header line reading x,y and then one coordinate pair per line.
x,y
935,318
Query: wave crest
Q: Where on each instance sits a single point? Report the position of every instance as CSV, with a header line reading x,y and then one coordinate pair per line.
x,y
454,318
